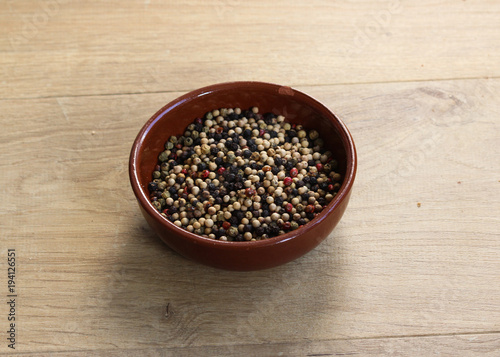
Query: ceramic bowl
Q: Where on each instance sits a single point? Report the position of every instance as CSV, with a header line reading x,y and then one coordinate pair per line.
x,y
297,107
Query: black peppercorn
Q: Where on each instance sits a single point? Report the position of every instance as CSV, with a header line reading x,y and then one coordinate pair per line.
x,y
152,186
268,118
274,229
219,161
172,210
239,215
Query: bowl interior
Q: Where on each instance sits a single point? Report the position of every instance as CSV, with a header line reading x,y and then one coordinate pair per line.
x,y
294,105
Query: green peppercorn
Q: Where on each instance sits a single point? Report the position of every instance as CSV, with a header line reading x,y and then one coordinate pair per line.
x,y
230,158
313,135
169,145
232,231
163,156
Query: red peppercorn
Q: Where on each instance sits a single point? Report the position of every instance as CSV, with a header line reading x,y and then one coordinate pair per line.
x,y
178,146
165,211
262,132
288,181
185,189
286,226
319,167
249,192
226,225
184,171
266,168
330,187
205,174
219,130
289,207
294,172
309,208
221,170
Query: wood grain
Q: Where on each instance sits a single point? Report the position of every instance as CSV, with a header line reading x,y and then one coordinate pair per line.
x,y
94,277
468,345
55,48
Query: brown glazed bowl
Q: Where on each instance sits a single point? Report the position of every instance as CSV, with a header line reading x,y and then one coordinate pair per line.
x,y
297,107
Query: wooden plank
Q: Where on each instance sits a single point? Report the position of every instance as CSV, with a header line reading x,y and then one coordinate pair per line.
x,y
63,48
483,345
94,277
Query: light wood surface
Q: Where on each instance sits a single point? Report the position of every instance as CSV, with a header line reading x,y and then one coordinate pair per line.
x,y
413,268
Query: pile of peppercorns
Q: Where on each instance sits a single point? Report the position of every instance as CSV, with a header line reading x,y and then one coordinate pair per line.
x,y
238,175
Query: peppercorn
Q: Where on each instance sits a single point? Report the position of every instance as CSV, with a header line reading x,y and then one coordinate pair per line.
x,y
205,172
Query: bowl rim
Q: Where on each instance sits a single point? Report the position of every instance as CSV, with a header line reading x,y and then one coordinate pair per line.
x,y
342,194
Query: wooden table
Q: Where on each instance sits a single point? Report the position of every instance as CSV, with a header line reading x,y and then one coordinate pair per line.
x,y
413,269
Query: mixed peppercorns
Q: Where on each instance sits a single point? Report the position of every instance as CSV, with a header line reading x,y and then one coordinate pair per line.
x,y
238,175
